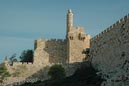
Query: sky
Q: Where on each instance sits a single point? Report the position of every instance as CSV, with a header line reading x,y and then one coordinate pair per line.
x,y
23,21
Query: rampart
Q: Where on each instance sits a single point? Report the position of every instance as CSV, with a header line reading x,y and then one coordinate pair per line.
x,y
116,25
14,64
50,51
47,52
110,49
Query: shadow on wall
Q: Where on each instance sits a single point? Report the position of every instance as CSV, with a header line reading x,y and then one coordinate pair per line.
x,y
56,50
42,73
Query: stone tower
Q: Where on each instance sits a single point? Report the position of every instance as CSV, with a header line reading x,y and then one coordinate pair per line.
x,y
69,20
77,40
48,51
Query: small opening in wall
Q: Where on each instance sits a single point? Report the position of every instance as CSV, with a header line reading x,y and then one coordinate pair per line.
x,y
71,38
123,54
46,46
123,26
83,38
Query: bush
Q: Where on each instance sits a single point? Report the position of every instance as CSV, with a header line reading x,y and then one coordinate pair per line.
x,y
56,72
3,73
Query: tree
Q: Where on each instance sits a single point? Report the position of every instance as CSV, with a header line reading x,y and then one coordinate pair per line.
x,y
13,58
87,54
56,72
26,56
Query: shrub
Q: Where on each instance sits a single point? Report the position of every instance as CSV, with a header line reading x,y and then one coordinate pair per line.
x,y
56,72
3,73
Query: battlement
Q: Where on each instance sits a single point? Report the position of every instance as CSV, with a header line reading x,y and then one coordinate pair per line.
x,y
76,33
52,40
18,63
109,29
57,40
42,42
80,28
109,50
50,51
77,28
62,50
22,63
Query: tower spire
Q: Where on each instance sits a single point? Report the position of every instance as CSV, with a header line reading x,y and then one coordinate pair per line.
x,y
69,11
69,20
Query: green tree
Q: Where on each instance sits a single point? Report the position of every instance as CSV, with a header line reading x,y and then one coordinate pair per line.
x,y
13,58
26,56
56,72
87,54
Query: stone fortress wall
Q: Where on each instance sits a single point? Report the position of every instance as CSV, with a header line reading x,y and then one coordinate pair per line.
x,y
110,50
62,51
112,41
19,71
29,72
50,51
67,52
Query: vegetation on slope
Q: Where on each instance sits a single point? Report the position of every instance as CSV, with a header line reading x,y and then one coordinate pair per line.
x,y
84,76
56,72
3,73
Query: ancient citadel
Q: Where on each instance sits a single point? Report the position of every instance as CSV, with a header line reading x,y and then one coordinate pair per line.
x,y
108,50
63,51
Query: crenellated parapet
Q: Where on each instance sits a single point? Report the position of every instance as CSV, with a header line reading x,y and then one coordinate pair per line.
x,y
57,40
109,52
42,42
50,40
77,33
54,51
63,50
114,26
15,64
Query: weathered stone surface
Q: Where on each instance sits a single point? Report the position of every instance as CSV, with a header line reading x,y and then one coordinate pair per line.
x,y
77,41
63,51
110,51
50,51
54,51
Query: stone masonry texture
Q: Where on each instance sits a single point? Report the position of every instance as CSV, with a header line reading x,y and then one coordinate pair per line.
x,y
67,52
110,53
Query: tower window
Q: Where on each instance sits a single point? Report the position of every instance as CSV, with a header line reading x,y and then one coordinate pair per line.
x,y
71,38
123,54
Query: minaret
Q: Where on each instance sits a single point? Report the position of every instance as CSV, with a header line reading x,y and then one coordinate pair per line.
x,y
69,20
